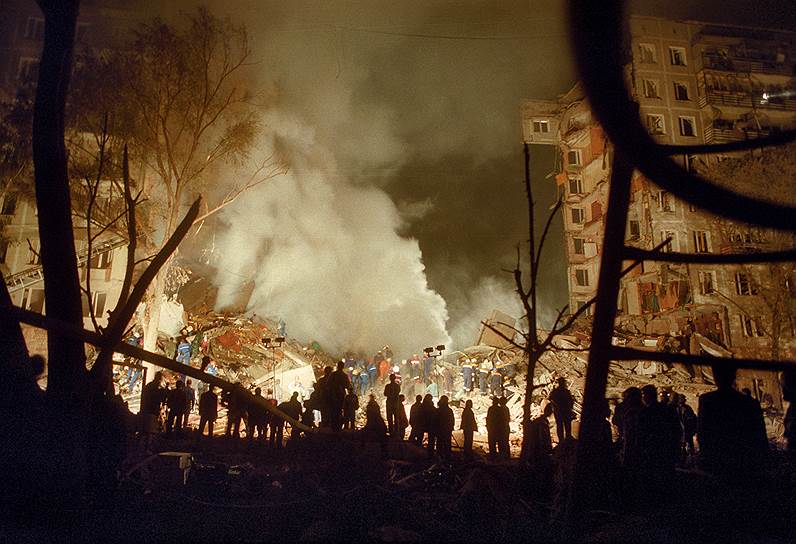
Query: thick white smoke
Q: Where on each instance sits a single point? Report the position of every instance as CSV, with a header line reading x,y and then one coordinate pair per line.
x,y
325,254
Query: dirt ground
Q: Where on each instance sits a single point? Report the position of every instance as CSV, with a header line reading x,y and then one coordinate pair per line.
x,y
335,488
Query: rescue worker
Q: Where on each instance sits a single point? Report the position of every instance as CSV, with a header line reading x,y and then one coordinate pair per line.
x,y
467,375
483,376
373,370
495,383
415,366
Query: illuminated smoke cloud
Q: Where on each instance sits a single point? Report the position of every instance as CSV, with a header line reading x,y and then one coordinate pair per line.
x,y
326,256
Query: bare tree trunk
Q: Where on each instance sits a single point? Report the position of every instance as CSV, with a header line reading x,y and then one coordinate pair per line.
x,y
61,283
67,377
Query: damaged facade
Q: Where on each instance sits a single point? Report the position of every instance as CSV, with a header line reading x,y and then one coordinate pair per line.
x,y
695,83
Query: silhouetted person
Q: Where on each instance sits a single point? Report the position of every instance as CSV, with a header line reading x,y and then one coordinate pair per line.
x,y
190,394
257,417
293,409
688,424
505,430
494,426
177,403
375,429
563,404
339,385
428,422
308,415
659,436
626,417
153,395
235,410
538,444
731,430
391,392
445,424
402,423
322,393
468,426
350,407
208,411
789,395
415,417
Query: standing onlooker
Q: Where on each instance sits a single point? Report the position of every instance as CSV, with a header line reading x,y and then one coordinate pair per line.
x,y
392,392
688,425
732,432
190,394
445,424
402,422
208,411
493,426
350,407
428,421
659,436
415,418
563,404
153,395
505,429
338,387
177,403
469,426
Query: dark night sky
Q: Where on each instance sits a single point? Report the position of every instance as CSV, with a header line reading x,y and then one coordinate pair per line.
x,y
421,99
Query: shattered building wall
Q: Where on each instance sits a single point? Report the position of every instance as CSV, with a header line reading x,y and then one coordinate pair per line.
x,y
694,83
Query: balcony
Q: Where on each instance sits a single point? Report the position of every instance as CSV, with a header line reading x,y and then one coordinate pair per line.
x,y
746,100
719,135
733,63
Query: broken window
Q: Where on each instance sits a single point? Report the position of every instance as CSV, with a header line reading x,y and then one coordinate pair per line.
x,y
582,277
34,257
34,28
635,229
677,56
102,260
28,69
655,124
33,299
680,90
749,327
578,244
687,126
707,282
668,248
647,54
97,302
578,215
651,88
9,204
573,157
744,284
701,241
575,186
665,201
541,126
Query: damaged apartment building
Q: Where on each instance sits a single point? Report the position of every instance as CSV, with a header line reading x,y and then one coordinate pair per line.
x,y
695,83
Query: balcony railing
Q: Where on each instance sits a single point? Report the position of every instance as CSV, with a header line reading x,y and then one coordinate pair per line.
x,y
719,135
740,99
732,63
